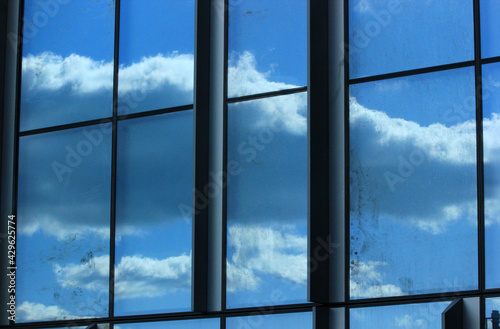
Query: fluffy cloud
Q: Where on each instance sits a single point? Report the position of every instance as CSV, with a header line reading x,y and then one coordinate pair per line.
x,y
263,250
260,250
52,82
290,111
394,163
157,71
136,276
409,322
81,202
29,312
48,71
367,281
257,251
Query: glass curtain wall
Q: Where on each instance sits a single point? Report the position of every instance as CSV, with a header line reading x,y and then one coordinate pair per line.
x,y
422,163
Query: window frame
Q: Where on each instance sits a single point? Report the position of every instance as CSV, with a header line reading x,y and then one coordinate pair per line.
x,y
328,200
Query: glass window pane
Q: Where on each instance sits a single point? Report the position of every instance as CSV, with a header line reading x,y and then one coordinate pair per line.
x,y
156,54
490,28
267,46
267,201
153,243
491,149
184,324
67,73
421,316
492,312
277,321
413,185
63,224
391,35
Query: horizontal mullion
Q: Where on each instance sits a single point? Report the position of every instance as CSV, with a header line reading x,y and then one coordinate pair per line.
x,y
251,311
492,292
65,126
263,310
490,60
266,95
270,309
155,112
104,120
408,299
406,73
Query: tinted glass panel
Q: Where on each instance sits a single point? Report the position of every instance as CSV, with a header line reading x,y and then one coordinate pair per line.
x,y
267,201
491,138
267,46
153,243
492,310
156,54
63,224
413,185
392,35
186,324
490,28
67,73
278,321
421,316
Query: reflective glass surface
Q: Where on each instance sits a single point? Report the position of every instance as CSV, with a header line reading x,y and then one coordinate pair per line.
x,y
413,203
491,149
156,54
63,225
67,65
184,324
414,316
153,242
267,201
490,28
492,304
392,35
267,46
276,321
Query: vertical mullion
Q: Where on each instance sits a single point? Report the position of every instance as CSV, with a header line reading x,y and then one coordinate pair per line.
x,y
209,177
112,240
321,317
12,115
225,156
318,140
480,160
199,289
479,145
347,205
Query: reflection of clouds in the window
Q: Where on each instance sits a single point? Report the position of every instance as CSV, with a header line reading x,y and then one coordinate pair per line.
x,y
265,250
245,79
367,282
433,151
137,276
394,163
48,71
76,88
51,75
83,75
443,149
30,312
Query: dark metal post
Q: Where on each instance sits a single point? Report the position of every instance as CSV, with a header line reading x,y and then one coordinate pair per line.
x,y
208,173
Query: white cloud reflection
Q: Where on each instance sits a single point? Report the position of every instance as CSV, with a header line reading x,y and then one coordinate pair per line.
x,y
30,312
